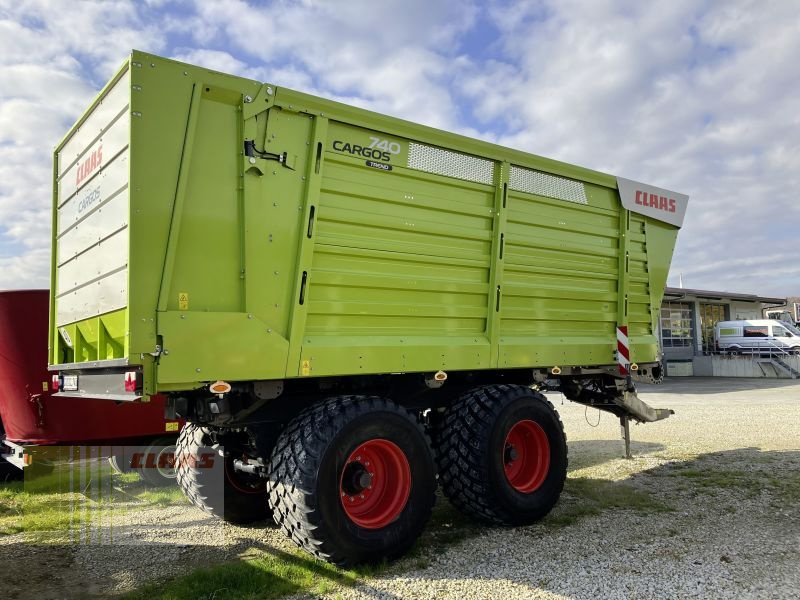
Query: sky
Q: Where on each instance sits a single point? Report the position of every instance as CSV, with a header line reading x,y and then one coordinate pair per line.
x,y
700,97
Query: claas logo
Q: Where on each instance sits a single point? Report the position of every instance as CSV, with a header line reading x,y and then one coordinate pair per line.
x,y
89,164
168,460
655,201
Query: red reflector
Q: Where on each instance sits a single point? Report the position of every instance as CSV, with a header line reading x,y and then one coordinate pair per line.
x,y
130,381
55,383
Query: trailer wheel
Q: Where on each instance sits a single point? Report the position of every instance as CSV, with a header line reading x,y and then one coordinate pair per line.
x,y
240,498
502,455
352,480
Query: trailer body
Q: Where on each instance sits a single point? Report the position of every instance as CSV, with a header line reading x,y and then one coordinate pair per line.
x,y
327,295
209,227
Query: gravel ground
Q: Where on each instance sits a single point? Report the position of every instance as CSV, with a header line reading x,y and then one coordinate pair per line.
x,y
726,470
708,508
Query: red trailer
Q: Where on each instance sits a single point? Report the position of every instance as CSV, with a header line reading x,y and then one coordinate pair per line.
x,y
31,415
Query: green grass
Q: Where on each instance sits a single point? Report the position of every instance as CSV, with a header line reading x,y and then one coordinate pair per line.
x,y
746,482
51,502
10,507
585,497
273,575
166,496
21,510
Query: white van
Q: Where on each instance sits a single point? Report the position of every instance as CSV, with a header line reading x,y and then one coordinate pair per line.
x,y
761,336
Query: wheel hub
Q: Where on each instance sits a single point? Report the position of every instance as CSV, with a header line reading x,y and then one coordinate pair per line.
x,y
356,479
511,454
526,456
375,484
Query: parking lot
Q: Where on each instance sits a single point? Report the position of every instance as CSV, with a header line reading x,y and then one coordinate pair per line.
x,y
709,507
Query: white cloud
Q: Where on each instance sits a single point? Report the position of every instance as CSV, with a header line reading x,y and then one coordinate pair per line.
x,y
212,59
393,56
691,96
54,57
26,271
682,95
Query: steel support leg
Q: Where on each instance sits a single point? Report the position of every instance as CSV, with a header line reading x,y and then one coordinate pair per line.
x,y
625,425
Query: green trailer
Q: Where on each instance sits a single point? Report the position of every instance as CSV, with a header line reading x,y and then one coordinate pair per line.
x,y
344,305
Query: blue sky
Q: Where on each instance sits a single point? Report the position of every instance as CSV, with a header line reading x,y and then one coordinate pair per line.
x,y
699,97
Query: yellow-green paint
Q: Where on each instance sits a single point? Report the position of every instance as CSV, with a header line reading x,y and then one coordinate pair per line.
x,y
400,270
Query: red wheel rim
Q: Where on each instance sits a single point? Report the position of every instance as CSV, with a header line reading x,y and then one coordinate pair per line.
x,y
526,456
375,484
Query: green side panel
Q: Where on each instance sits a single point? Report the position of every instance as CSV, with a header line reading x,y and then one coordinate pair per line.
x,y
641,331
660,241
208,265
185,206
221,282
274,220
399,279
559,301
207,346
160,100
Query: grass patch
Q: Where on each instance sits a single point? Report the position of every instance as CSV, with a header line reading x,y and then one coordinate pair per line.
x,y
747,482
166,496
24,511
585,497
273,575
10,508
58,501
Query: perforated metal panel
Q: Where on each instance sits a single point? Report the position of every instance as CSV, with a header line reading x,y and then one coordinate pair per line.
x,y
543,184
451,164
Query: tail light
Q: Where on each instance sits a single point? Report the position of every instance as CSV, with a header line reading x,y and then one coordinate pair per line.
x,y
56,383
130,381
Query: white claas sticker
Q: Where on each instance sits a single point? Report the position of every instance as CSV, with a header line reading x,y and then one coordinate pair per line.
x,y
652,201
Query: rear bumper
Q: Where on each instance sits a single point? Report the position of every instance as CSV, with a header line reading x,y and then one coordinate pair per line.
x,y
105,380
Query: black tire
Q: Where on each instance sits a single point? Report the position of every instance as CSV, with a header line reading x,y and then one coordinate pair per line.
x,y
312,460
473,455
239,498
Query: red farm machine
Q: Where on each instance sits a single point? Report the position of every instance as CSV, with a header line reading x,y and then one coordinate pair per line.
x,y
135,435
